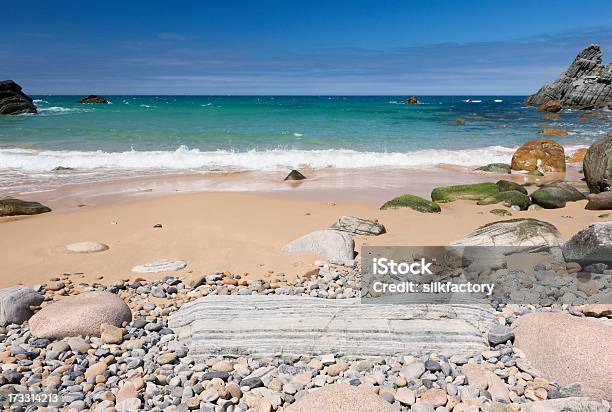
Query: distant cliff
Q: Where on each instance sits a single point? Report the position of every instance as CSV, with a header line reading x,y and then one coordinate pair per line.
x,y
586,84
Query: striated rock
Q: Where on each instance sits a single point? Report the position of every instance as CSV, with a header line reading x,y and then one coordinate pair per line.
x,y
510,198
551,106
544,155
16,207
13,100
92,98
295,175
587,83
413,202
477,191
597,165
584,347
259,325
592,244
85,247
502,168
339,398
553,132
160,266
507,186
15,304
600,201
332,244
81,314
411,100
358,226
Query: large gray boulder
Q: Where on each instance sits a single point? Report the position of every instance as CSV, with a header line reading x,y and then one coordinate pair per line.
x,y
258,325
15,304
13,100
597,165
80,315
16,207
358,226
334,245
592,244
587,83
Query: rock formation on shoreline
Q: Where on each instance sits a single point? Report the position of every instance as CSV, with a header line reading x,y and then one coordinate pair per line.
x,y
13,100
586,84
92,98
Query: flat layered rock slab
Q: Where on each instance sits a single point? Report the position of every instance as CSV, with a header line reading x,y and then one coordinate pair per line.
x,y
293,325
160,266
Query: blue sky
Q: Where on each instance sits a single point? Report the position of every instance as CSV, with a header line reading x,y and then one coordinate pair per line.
x,y
295,47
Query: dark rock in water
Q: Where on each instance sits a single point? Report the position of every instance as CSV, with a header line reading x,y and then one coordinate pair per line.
x,y
500,334
592,244
549,197
551,106
412,100
62,169
510,198
570,193
507,186
15,207
460,122
295,175
92,98
477,191
597,165
358,226
544,155
496,168
413,202
601,201
586,84
13,100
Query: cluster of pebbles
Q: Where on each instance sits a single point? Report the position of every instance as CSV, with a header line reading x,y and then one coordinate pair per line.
x,y
143,366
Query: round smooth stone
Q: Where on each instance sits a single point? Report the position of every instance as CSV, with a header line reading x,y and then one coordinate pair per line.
x,y
161,265
85,247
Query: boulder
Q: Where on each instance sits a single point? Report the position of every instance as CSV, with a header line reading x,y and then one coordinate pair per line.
x,y
15,207
477,191
13,100
551,106
568,349
80,315
15,304
592,244
358,226
341,397
507,186
544,155
510,198
334,245
92,98
295,175
549,198
587,83
413,202
553,132
502,168
570,193
411,100
597,165
600,201
577,156
531,234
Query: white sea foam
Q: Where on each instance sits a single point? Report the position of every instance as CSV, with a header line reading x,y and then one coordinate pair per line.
x,y
39,161
59,110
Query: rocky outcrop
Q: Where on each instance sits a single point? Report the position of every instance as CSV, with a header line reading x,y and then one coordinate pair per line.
x,y
334,245
476,191
13,100
16,207
295,175
551,106
597,165
543,155
586,84
358,226
411,100
92,98
80,315
305,326
15,304
592,244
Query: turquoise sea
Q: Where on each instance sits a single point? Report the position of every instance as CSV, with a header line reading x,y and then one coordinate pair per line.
x,y
138,135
